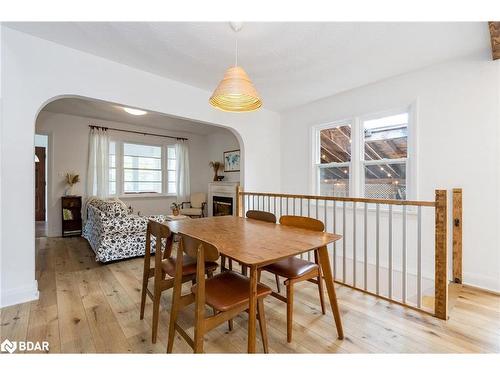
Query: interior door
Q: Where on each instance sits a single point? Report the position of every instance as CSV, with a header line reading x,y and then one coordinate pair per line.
x,y
40,184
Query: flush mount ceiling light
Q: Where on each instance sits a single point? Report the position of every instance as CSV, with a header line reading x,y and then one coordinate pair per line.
x,y
236,93
135,112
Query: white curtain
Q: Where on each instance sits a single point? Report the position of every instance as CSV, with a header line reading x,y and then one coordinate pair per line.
x,y
98,169
183,187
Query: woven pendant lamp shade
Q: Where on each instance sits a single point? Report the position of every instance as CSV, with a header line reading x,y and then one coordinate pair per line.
x,y
235,93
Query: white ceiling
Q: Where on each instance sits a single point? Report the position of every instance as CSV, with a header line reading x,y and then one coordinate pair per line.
x,y
112,112
290,63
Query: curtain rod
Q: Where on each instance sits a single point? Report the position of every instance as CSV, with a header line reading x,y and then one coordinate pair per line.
x,y
136,132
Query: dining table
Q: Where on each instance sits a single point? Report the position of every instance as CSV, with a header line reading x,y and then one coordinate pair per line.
x,y
256,244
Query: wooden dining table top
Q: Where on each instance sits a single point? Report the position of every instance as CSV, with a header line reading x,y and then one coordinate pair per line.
x,y
252,242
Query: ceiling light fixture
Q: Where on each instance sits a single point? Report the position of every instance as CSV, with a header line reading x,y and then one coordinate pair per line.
x,y
236,93
135,112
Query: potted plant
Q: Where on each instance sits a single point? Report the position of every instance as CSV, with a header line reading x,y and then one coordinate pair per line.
x,y
71,180
175,207
216,166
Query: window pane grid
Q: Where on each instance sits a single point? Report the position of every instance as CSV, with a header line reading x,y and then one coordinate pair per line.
x,y
385,156
171,170
142,169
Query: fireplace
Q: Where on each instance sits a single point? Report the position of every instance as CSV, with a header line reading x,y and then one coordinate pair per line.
x,y
222,198
222,206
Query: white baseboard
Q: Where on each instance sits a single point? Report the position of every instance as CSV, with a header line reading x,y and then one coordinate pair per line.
x,y
481,281
19,295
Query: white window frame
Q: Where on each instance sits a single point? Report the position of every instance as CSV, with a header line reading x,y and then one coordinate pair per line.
x,y
356,170
169,170
120,170
317,154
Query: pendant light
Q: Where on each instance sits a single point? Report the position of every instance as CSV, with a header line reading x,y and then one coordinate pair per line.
x,y
236,93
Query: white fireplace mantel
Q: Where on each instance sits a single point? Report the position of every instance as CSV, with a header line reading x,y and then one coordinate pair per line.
x,y
222,189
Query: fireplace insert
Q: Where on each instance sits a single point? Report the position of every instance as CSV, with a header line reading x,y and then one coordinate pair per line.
x,y
222,206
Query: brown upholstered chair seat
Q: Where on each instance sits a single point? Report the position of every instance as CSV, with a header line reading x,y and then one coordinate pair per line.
x,y
188,267
228,290
291,268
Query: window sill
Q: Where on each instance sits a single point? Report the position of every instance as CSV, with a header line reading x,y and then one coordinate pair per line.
x,y
146,195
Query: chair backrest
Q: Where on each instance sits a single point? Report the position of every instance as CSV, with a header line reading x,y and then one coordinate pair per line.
x,y
162,239
197,199
190,246
303,222
261,215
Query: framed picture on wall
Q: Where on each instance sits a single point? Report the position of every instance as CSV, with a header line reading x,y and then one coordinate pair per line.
x,y
232,161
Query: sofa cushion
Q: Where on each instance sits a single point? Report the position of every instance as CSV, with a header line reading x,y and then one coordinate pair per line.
x,y
113,208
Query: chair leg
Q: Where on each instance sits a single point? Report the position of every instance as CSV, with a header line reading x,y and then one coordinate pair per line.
x,y
289,311
230,324
156,315
143,294
174,310
277,283
262,324
321,293
222,262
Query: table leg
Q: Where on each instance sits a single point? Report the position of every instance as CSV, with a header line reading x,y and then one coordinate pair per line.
x,y
252,308
330,287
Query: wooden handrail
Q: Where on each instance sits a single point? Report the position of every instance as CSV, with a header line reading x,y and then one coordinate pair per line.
x,y
343,199
440,232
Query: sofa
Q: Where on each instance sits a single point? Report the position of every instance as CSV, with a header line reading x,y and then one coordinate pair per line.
x,y
113,232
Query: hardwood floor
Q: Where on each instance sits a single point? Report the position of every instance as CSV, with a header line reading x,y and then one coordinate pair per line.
x,y
87,307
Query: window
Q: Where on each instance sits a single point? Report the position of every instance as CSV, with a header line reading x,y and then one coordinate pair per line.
x,y
363,157
171,171
335,160
385,156
141,169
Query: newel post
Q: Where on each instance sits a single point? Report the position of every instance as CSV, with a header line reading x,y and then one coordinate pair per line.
x,y
441,256
457,236
239,201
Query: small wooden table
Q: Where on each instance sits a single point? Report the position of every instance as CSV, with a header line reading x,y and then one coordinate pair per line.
x,y
256,244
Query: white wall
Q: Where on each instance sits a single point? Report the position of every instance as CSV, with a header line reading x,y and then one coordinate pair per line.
x,y
457,109
217,144
35,72
69,153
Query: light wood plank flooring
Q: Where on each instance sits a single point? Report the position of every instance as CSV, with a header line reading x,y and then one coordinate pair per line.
x,y
87,307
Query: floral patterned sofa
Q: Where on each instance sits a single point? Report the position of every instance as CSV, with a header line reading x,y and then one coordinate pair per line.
x,y
112,232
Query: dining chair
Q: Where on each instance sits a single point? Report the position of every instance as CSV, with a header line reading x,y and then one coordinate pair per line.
x,y
163,270
256,215
227,293
295,269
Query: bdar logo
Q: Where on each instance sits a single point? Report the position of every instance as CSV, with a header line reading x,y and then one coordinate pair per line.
x,y
8,346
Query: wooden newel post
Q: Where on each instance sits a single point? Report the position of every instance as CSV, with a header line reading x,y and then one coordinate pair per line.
x,y
239,201
457,236
441,256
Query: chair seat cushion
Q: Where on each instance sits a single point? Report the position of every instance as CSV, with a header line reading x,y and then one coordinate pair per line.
x,y
228,290
291,268
188,266
191,211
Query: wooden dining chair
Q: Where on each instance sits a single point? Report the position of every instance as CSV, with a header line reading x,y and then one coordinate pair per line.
x,y
163,270
227,293
295,270
256,215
